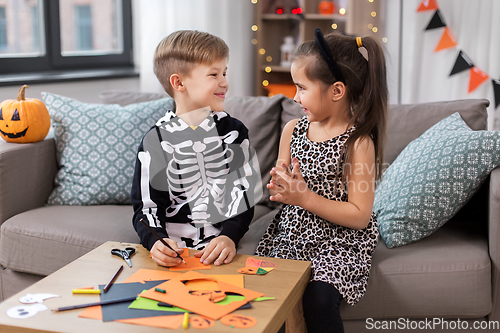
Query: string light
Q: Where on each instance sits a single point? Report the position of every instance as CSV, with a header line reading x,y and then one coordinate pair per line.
x,y
262,51
265,83
255,27
268,69
370,26
342,11
384,39
334,26
255,1
374,29
374,14
269,58
368,0
254,41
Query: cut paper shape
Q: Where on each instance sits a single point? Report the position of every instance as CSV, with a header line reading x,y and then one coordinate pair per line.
x,y
170,322
496,90
200,322
213,295
25,311
202,285
252,262
150,304
447,41
178,295
192,263
239,321
36,298
254,270
260,299
477,77
462,63
437,21
427,5
142,275
257,267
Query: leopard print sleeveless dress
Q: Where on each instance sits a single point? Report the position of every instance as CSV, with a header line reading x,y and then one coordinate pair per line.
x,y
340,256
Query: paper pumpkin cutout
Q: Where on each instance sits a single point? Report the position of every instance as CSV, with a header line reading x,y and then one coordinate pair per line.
x,y
477,77
178,295
238,321
447,41
200,322
427,5
253,270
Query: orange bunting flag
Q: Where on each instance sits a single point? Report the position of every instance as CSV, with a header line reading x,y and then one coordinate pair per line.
x,y
427,5
477,77
447,40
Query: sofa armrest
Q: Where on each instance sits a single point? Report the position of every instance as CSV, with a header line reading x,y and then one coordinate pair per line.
x,y
494,241
27,172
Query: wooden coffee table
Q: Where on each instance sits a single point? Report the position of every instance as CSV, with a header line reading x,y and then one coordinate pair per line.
x,y
286,283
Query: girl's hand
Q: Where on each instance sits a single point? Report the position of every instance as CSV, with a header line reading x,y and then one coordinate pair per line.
x,y
163,256
289,185
221,249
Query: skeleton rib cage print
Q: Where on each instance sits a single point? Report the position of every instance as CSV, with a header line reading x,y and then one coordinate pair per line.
x,y
208,173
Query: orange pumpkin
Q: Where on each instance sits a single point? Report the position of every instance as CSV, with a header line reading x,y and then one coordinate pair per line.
x,y
23,120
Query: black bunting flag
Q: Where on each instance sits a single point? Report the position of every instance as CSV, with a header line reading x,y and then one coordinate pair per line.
x,y
496,90
461,64
437,21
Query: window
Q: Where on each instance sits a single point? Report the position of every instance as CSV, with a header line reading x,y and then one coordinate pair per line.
x,y
48,35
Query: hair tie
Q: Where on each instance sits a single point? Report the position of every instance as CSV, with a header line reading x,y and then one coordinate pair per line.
x,y
359,42
325,51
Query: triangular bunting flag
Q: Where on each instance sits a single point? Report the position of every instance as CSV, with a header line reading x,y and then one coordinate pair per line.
x,y
427,5
496,90
477,77
437,21
447,40
461,64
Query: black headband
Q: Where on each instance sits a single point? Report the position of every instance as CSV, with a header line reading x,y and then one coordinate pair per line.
x,y
325,51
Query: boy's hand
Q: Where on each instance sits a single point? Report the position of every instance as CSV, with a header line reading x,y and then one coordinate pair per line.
x,y
164,256
221,249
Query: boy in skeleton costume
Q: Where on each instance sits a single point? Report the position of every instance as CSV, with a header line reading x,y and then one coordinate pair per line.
x,y
196,178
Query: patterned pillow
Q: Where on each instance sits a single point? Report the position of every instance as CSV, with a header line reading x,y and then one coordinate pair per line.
x,y
432,178
96,148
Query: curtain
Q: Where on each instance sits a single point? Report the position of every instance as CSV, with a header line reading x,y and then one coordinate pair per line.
x,y
425,74
230,20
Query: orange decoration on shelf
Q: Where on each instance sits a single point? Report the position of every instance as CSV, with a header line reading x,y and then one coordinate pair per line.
x,y
23,120
326,7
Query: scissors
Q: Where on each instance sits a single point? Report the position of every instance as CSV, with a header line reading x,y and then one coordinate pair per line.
x,y
124,254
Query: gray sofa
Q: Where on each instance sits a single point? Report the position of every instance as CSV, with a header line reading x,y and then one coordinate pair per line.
x,y
454,273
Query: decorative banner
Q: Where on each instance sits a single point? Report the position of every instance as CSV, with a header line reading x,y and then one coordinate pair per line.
x,y
496,89
437,21
447,41
427,5
461,64
477,76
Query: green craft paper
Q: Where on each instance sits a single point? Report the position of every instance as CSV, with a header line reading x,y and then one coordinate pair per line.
x,y
149,304
259,299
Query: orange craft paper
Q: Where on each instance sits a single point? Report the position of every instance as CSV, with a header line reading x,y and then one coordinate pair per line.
x,y
192,264
178,295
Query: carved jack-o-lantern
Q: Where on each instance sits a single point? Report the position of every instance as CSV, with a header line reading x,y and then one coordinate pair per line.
x,y
23,120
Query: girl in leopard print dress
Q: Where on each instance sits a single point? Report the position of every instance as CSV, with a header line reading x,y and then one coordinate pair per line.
x,y
328,164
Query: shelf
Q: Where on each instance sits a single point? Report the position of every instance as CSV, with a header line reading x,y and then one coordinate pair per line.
x,y
277,69
271,17
335,17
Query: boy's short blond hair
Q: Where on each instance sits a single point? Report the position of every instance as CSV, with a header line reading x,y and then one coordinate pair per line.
x,y
180,51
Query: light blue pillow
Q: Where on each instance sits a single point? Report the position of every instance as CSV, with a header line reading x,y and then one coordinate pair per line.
x,y
432,178
97,146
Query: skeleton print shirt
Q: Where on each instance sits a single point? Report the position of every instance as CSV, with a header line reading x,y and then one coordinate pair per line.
x,y
192,184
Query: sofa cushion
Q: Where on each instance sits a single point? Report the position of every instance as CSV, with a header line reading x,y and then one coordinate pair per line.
x,y
97,147
405,123
447,274
123,97
432,179
45,239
